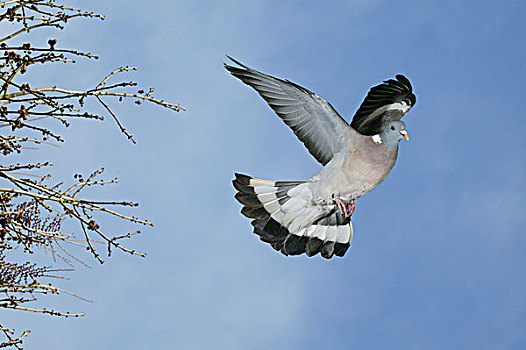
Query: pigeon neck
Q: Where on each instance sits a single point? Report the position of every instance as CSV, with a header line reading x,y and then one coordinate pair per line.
x,y
388,139
384,140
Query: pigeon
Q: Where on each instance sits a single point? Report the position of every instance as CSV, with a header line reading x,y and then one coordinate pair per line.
x,y
314,216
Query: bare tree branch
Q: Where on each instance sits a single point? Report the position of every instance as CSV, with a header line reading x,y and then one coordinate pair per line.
x,y
33,206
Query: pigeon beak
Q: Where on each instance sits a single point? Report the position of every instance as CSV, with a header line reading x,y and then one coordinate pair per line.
x,y
404,134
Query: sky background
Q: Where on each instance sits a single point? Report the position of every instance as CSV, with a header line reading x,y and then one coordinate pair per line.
x,y
439,248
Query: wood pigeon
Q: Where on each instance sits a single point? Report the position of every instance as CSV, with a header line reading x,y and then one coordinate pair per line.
x,y
314,216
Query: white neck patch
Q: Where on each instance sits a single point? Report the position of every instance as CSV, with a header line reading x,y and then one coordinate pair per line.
x,y
377,139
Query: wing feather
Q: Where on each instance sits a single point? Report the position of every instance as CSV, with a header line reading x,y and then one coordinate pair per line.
x,y
314,121
385,102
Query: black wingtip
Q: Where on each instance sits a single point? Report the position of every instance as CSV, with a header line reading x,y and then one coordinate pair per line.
x,y
386,93
402,79
411,97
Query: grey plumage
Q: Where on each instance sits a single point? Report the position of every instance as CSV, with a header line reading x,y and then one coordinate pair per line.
x,y
313,216
312,119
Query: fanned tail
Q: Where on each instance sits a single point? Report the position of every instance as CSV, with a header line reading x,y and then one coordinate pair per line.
x,y
286,217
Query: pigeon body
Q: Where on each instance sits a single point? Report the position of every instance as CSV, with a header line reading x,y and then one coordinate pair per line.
x,y
353,173
314,216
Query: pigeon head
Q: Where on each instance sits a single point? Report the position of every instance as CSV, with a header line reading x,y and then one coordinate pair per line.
x,y
393,132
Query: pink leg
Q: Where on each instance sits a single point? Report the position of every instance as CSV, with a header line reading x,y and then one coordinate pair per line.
x,y
350,209
346,210
341,206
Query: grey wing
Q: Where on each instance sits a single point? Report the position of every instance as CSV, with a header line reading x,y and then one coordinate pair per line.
x,y
314,121
385,102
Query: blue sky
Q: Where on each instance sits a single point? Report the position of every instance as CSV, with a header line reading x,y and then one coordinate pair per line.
x,y
438,254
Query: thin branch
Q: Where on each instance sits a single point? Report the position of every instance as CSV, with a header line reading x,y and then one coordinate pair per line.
x,y
33,209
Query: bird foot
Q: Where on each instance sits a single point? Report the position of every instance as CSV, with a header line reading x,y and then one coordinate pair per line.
x,y
345,209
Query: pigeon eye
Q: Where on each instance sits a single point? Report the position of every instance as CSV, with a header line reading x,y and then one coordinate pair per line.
x,y
392,127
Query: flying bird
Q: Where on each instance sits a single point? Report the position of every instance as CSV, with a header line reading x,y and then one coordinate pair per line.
x,y
314,216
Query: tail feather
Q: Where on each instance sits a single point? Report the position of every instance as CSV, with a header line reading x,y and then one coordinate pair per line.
x,y
295,245
285,216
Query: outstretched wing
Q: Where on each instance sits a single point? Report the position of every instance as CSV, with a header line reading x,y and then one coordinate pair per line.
x,y
385,102
313,120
